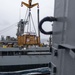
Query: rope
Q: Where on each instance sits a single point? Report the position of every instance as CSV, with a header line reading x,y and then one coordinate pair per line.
x,y
26,14
19,13
6,29
28,17
28,20
33,24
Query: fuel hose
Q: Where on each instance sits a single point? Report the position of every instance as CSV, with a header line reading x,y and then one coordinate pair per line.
x,y
50,19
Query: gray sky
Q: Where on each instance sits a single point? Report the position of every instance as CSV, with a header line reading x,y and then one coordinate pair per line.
x,y
11,12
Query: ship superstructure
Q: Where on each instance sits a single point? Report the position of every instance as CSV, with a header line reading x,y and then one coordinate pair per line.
x,y
63,38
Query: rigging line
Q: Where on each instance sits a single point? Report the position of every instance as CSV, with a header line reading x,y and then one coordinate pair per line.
x,y
33,24
26,14
6,31
19,13
30,25
6,28
28,20
26,17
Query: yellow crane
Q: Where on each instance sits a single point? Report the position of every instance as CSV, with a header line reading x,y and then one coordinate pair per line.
x,y
29,5
28,39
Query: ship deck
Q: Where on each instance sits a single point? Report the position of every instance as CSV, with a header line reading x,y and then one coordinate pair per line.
x,y
34,51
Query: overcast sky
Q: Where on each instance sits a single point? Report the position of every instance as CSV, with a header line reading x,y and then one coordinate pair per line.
x,y
11,12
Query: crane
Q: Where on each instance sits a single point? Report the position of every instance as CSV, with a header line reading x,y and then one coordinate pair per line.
x,y
28,39
29,5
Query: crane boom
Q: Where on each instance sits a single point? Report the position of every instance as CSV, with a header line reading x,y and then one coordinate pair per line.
x,y
29,5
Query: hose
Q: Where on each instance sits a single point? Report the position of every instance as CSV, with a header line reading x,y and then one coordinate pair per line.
x,y
50,19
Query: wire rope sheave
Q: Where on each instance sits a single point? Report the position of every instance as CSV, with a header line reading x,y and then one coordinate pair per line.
x,y
50,19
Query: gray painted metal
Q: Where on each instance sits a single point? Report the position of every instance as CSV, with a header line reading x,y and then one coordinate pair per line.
x,y
28,49
20,29
64,33
24,60
33,57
